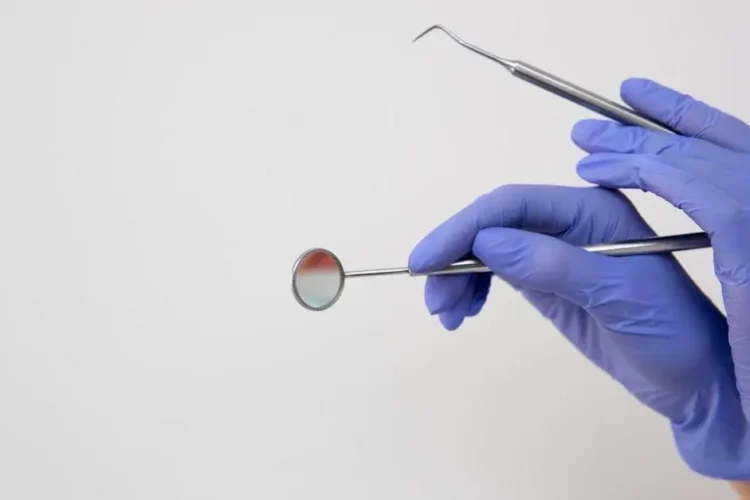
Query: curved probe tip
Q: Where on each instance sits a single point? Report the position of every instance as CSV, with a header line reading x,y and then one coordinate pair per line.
x,y
506,63
436,27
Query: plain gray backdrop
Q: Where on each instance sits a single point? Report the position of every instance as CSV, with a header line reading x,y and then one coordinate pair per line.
x,y
162,164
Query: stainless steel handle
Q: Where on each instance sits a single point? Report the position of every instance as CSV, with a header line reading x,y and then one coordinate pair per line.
x,y
646,246
583,97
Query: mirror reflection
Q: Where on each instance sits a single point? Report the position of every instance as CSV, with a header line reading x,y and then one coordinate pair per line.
x,y
318,279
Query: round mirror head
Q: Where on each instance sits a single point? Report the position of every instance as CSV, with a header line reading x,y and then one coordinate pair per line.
x,y
317,279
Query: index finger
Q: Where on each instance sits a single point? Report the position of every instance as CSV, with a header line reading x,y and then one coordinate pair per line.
x,y
685,114
579,216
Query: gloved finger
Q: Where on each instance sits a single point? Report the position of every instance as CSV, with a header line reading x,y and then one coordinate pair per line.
x,y
686,115
481,291
442,293
454,317
574,322
456,297
616,292
546,264
603,136
548,304
683,187
577,215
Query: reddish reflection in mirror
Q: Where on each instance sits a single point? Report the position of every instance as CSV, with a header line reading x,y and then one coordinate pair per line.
x,y
318,280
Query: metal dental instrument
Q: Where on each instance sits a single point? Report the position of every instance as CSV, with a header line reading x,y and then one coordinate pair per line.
x,y
558,86
577,95
318,276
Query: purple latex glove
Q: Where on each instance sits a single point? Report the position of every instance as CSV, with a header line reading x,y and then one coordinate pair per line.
x,y
706,174
641,319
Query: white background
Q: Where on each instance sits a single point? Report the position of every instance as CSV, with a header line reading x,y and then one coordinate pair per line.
x,y
162,164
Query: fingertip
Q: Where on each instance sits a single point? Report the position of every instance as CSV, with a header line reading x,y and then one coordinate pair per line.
x,y
444,244
656,101
451,320
433,305
442,293
591,162
455,316
420,257
585,133
615,171
476,306
434,296
595,170
595,160
429,254
633,88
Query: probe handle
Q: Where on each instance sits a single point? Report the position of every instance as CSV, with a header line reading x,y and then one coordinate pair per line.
x,y
583,97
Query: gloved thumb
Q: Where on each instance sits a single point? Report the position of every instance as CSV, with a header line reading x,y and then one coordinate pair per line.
x,y
546,264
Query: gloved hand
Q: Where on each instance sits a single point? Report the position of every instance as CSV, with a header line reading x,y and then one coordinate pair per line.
x,y
706,174
641,319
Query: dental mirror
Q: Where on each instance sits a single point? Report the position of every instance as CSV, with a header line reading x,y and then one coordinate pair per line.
x,y
318,275
317,279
